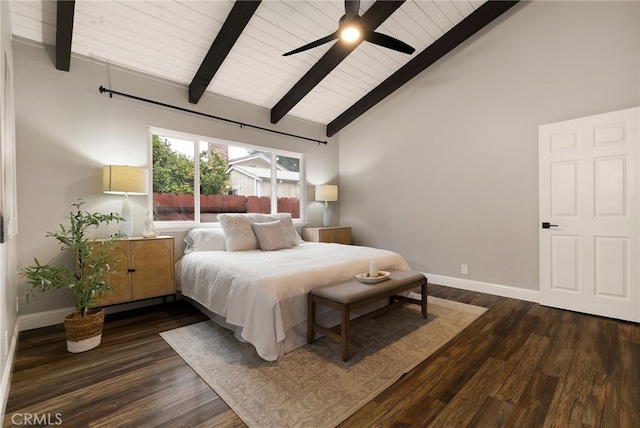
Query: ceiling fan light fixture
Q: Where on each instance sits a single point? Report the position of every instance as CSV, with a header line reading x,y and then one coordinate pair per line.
x,y
351,30
350,33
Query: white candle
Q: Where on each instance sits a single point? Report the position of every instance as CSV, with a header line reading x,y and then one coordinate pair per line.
x,y
373,268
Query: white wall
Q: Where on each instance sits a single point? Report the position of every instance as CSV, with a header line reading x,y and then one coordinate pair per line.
x,y
445,170
67,130
8,316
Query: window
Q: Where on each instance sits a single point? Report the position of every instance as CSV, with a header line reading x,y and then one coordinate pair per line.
x,y
230,178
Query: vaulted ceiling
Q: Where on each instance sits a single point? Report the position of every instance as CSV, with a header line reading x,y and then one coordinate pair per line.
x,y
235,49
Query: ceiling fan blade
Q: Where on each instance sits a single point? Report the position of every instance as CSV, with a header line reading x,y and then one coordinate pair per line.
x,y
318,42
389,42
351,8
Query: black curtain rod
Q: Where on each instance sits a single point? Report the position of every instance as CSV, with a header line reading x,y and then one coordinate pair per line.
x,y
210,116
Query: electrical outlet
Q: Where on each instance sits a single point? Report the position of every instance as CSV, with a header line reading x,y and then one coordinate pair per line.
x,y
17,304
464,269
6,343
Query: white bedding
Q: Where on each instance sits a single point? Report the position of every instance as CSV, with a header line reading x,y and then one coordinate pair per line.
x,y
265,292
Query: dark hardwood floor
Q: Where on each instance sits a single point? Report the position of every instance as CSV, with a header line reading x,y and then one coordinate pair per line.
x,y
520,365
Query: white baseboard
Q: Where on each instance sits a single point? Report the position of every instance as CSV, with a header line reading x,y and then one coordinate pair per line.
x,y
7,371
56,316
44,319
485,287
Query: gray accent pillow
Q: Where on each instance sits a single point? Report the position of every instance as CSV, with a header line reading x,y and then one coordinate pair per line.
x,y
287,225
271,236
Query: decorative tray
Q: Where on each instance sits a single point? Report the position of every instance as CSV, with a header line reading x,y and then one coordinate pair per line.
x,y
364,277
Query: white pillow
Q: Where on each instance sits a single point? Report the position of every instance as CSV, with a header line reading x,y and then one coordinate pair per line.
x,y
205,239
238,233
287,225
271,235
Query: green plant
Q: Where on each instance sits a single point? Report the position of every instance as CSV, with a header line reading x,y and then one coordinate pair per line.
x,y
87,278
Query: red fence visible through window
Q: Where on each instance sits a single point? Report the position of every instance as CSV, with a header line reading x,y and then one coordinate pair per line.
x,y
171,207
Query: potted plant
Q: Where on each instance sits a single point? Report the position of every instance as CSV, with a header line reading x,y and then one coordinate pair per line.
x,y
87,278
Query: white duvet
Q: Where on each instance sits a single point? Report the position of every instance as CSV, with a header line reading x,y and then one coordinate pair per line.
x,y
265,292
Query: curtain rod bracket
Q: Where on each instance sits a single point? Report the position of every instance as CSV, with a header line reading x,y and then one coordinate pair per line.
x,y
111,92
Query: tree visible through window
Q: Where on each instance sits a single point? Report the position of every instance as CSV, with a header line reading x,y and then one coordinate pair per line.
x,y
173,171
230,179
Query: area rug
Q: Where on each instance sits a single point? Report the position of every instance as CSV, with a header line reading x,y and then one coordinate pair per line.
x,y
312,386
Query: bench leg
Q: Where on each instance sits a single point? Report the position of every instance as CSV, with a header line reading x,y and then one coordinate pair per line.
x,y
344,333
311,334
423,290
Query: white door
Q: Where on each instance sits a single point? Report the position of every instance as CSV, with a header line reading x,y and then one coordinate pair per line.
x,y
590,216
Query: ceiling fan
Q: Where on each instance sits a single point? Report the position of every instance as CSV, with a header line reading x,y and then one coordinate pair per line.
x,y
350,30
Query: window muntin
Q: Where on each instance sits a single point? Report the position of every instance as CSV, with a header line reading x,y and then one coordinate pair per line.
x,y
232,178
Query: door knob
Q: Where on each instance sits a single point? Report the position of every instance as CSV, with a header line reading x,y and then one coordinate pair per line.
x,y
547,225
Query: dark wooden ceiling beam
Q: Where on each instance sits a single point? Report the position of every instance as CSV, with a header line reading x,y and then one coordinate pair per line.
x,y
233,26
473,23
65,10
371,19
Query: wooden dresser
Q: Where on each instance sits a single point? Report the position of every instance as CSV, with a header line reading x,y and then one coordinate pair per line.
x,y
144,270
336,234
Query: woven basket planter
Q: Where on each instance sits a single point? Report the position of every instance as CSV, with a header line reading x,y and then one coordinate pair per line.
x,y
84,333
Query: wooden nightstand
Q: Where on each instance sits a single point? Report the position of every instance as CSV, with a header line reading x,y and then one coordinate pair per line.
x,y
336,234
144,269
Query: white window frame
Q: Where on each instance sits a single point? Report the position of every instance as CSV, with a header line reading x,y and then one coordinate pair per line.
x,y
186,225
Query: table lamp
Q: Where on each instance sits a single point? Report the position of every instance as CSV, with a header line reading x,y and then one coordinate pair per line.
x,y
125,180
326,193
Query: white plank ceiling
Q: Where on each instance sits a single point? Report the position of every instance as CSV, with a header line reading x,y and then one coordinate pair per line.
x,y
169,39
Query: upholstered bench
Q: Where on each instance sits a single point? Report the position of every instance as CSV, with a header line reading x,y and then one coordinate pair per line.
x,y
349,295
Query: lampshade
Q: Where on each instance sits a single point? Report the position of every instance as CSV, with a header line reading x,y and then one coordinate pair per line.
x,y
122,179
327,193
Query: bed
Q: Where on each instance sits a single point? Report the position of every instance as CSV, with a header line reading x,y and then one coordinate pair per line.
x,y
262,294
